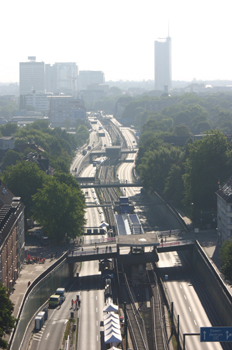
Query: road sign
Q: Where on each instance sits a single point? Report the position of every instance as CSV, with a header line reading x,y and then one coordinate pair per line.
x,y
214,334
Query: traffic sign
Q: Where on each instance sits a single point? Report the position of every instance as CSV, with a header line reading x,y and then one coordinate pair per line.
x,y
214,334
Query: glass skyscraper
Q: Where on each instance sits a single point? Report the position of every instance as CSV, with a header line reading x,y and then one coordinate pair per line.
x,y
163,64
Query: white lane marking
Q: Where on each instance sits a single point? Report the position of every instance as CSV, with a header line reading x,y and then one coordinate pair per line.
x,y
96,309
96,297
180,286
195,322
47,336
190,309
185,297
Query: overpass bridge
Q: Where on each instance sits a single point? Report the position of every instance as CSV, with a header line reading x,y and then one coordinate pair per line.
x,y
128,250
92,183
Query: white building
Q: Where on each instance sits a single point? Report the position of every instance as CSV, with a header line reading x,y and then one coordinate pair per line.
x,y
88,77
62,78
163,64
40,101
31,76
224,211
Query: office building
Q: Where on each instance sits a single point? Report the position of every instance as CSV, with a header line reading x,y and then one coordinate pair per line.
x,y
163,64
62,78
31,76
64,110
88,77
40,100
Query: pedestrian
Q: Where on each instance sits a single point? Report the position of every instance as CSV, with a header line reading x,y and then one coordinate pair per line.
x,y
72,304
76,304
60,302
72,252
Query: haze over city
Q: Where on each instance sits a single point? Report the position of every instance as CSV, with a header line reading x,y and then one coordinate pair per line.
x,y
117,37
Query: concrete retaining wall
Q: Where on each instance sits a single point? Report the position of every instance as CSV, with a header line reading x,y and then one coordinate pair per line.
x,y
213,285
37,294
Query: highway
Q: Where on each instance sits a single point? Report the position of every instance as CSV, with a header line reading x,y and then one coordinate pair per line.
x,y
90,334
180,287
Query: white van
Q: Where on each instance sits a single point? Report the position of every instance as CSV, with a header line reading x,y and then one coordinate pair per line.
x,y
61,293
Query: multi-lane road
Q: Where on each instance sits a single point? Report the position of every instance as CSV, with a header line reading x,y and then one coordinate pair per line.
x,y
179,286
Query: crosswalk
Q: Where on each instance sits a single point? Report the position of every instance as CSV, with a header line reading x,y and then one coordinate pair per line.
x,y
37,336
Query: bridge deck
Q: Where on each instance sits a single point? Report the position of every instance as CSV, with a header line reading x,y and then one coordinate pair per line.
x,y
107,252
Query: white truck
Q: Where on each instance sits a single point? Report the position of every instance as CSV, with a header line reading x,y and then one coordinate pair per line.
x,y
61,293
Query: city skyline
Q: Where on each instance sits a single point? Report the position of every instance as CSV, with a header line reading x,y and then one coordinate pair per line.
x,y
118,37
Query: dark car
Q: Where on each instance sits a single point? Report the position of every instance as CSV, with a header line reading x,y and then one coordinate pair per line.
x,y
44,240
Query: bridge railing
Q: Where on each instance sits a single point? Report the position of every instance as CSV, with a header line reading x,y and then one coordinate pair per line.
x,y
99,240
95,251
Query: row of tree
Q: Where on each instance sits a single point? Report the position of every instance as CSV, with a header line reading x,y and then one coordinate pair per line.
x,y
187,176
58,145
56,202
197,113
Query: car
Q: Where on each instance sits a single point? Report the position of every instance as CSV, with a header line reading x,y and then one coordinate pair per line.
x,y
44,240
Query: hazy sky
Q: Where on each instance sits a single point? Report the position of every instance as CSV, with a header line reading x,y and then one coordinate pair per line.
x,y
117,36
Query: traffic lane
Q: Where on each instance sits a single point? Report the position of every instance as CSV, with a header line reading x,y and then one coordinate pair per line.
x,y
91,313
51,335
180,288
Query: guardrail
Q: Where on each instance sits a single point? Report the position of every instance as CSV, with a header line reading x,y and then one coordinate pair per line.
x,y
95,251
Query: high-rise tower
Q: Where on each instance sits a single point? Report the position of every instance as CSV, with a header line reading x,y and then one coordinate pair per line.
x,y
163,64
31,76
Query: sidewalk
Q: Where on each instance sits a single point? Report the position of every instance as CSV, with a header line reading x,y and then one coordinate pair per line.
x,y
30,272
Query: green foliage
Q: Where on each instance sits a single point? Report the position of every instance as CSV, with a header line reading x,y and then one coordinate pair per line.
x,y
82,134
10,158
106,104
155,164
7,109
226,257
7,321
59,208
207,163
9,129
182,130
24,179
174,185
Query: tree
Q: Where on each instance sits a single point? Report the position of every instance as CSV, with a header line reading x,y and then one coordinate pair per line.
x,y
24,179
7,321
182,130
60,209
155,166
9,129
174,184
226,257
11,157
206,164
